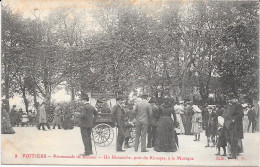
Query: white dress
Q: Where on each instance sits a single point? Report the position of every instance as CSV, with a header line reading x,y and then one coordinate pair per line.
x,y
245,121
181,129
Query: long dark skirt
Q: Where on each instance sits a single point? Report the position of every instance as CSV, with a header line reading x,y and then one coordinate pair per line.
x,y
165,136
188,125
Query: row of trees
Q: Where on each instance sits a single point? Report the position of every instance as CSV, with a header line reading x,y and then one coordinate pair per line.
x,y
167,49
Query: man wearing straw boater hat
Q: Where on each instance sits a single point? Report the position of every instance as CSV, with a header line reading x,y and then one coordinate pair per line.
x,y
233,125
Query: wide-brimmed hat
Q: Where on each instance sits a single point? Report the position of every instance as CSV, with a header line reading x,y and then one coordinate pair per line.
x,y
221,120
244,105
196,108
211,107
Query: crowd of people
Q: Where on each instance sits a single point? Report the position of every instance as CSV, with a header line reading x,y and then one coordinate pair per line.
x,y
20,118
157,125
61,119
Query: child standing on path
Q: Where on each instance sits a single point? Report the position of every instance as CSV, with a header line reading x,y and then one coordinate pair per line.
x,y
196,122
221,140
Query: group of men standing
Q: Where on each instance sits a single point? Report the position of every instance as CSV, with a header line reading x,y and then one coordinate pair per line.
x,y
144,118
32,117
17,117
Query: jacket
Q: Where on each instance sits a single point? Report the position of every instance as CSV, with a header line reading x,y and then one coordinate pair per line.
x,y
118,115
143,111
166,110
233,119
88,116
251,115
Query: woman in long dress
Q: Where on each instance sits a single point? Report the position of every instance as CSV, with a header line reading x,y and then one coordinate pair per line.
x,y
245,120
165,134
13,115
177,109
6,127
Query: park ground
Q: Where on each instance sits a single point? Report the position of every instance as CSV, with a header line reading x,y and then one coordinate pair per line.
x,y
31,146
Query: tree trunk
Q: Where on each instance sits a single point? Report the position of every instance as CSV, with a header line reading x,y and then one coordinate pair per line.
x,y
162,92
115,82
47,86
36,104
72,93
26,103
7,86
47,98
183,85
156,94
72,90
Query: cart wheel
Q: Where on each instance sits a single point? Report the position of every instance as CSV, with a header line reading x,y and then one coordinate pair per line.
x,y
132,137
103,135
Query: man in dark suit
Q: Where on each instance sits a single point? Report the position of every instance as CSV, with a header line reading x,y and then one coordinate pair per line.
x,y
118,117
152,124
233,125
252,119
87,119
143,111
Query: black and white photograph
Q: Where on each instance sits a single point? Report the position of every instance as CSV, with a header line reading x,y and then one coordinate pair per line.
x,y
130,82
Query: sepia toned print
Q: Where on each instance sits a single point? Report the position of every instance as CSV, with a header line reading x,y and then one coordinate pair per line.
x,y
130,82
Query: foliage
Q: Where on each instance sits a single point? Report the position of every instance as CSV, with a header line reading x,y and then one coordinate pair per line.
x,y
167,50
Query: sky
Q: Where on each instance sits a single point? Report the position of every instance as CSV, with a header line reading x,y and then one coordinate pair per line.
x,y
28,7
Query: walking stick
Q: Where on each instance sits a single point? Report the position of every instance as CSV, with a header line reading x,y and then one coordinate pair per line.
x,y
94,142
116,135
